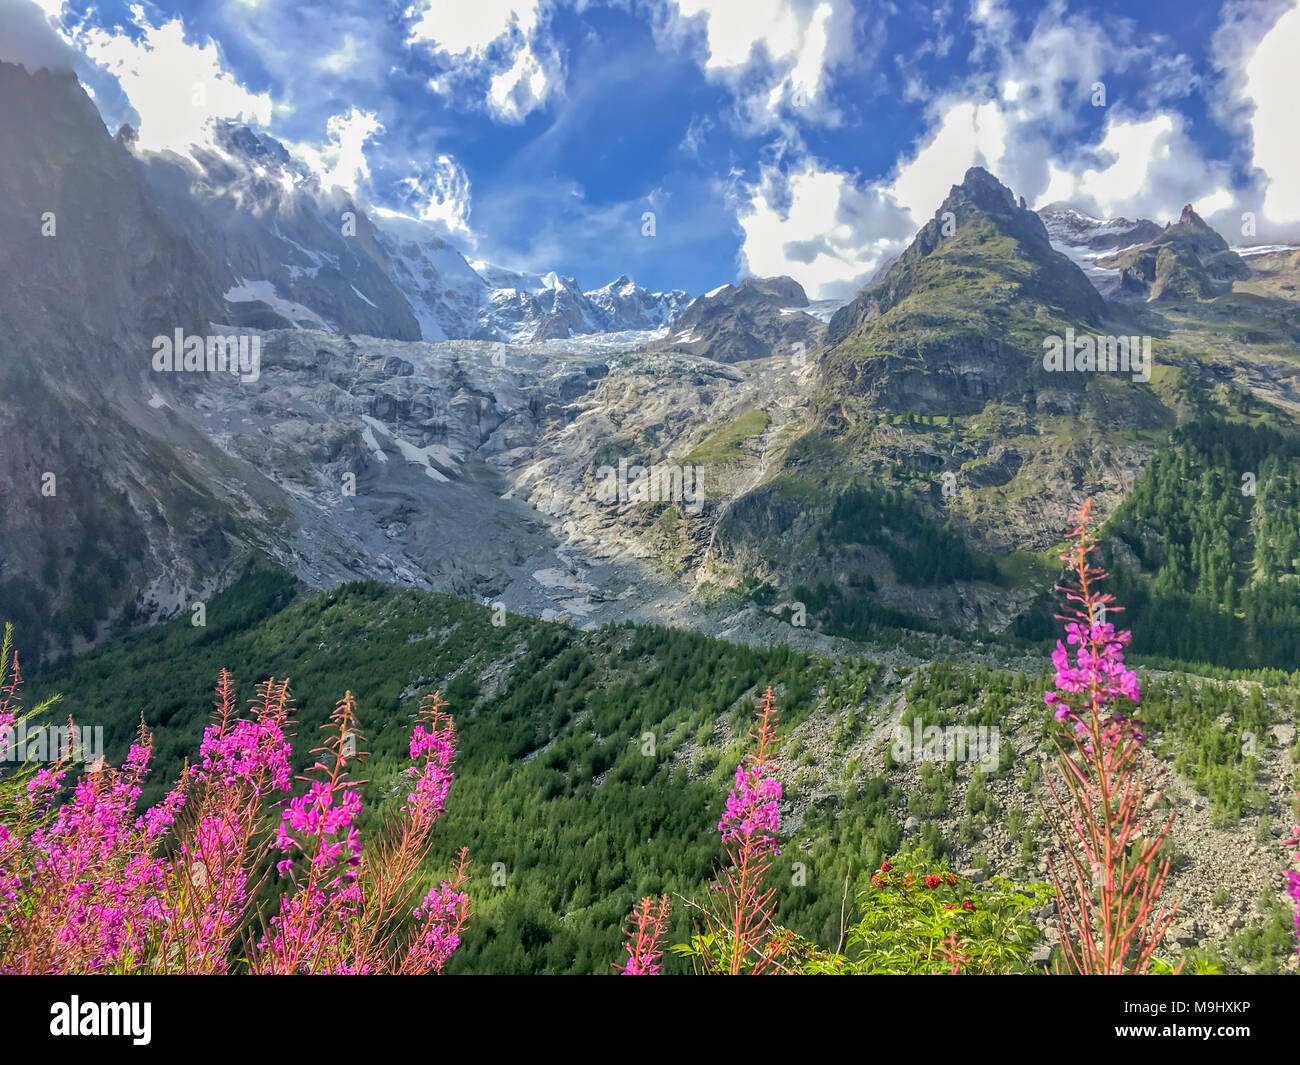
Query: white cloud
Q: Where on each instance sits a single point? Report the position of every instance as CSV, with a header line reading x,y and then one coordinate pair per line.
x,y
457,27
341,161
968,134
1272,84
820,226
499,38
441,197
1141,168
342,59
177,88
515,92
799,40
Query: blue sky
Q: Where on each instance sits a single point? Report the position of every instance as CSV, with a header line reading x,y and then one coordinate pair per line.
x,y
809,137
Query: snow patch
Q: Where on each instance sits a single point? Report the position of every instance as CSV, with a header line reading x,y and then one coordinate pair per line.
x,y
249,291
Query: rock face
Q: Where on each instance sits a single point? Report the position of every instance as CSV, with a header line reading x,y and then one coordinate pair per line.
x,y
981,238
1186,260
1069,228
307,253
477,467
959,319
933,386
1088,240
110,507
297,253
756,319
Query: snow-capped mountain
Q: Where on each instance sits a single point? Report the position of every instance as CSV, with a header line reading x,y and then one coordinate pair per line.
x,y
455,298
298,253
623,300
1086,239
444,292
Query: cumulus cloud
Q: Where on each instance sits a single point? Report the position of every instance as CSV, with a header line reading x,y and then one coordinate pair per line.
x,y
1272,86
497,42
341,160
775,54
176,87
440,195
456,27
520,89
822,226
966,134
1144,167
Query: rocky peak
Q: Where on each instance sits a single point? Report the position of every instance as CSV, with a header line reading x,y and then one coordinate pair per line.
x,y
963,222
1188,259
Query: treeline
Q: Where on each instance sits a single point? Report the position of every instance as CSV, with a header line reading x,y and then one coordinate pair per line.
x,y
1214,526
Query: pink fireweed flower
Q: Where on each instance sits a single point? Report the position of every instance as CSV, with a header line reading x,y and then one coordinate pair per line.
x,y
439,932
1090,675
1293,887
751,813
646,928
1106,867
433,750
98,885
100,891
749,826
317,815
1098,667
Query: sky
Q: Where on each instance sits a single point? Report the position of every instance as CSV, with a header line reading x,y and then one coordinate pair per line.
x,y
688,143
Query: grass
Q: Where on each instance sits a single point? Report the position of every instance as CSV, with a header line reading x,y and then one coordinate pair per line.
x,y
723,445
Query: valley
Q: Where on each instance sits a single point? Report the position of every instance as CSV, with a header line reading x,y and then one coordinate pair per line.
x,y
589,516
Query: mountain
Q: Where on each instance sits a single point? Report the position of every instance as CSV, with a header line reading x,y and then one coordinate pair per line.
x,y
941,454
291,248
445,293
916,468
626,305
112,509
951,323
302,254
130,493
756,319
1069,228
1186,260
1086,240
453,298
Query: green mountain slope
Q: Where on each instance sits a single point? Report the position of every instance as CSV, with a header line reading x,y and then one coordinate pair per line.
x,y
942,459
593,765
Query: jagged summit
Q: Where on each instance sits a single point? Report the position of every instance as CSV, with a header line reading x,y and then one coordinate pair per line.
x,y
1188,259
979,237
